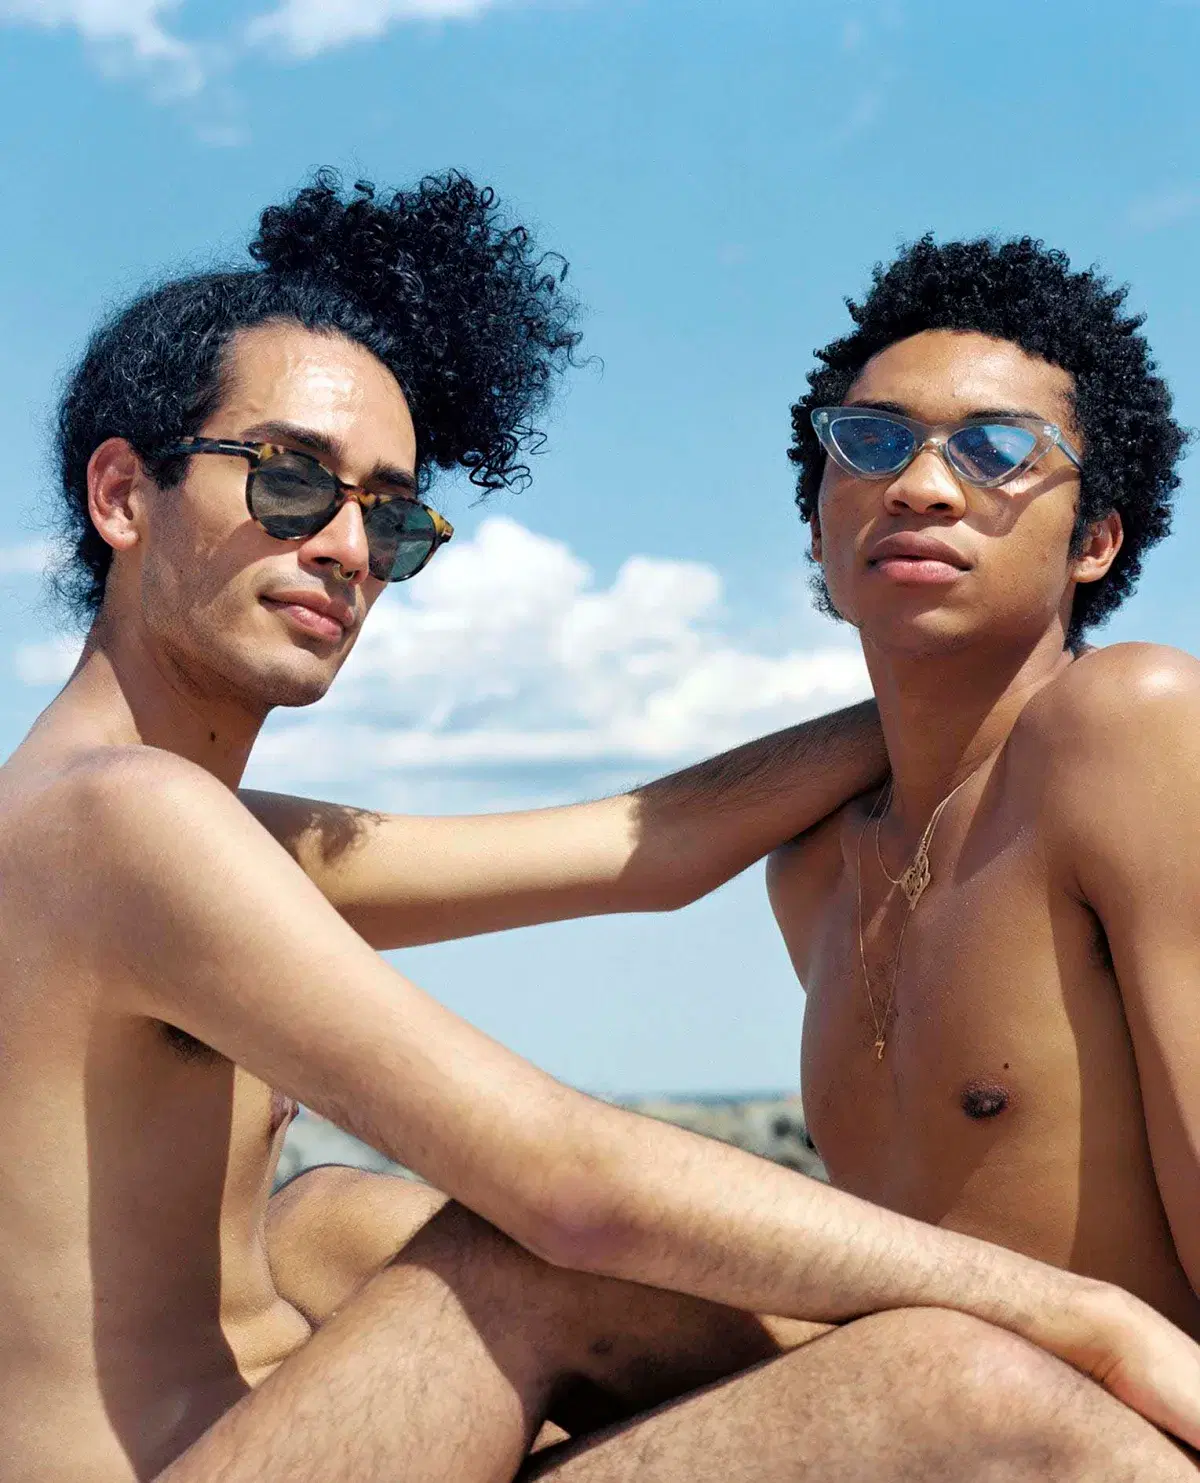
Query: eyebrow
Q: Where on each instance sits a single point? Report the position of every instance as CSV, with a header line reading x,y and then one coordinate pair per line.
x,y
323,446
902,411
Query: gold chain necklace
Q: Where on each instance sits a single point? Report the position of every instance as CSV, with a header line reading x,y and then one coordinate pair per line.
x,y
912,881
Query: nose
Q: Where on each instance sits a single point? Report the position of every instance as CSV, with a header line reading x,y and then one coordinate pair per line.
x,y
926,487
342,543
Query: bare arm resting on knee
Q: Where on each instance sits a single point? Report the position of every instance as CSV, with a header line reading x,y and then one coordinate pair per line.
x,y
205,923
400,880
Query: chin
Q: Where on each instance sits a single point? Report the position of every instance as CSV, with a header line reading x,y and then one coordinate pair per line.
x,y
290,678
936,630
296,685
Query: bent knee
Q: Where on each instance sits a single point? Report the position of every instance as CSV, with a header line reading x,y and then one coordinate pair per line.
x,y
965,1356
1004,1397
333,1228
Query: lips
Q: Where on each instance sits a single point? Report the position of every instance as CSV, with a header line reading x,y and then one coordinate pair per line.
x,y
916,546
314,612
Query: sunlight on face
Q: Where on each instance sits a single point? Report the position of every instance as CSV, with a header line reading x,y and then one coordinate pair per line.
x,y
1006,550
223,597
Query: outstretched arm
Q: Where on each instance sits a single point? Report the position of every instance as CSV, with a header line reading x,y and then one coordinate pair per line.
x,y
401,880
203,922
1128,784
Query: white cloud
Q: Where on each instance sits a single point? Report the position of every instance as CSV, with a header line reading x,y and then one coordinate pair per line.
x,y
505,658
47,663
141,37
124,32
307,27
28,559
505,655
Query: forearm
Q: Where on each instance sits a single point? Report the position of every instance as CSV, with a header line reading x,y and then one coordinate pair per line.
x,y
698,827
405,880
663,1207
678,1212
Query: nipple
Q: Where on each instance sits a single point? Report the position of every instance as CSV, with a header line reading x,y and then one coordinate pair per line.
x,y
983,1099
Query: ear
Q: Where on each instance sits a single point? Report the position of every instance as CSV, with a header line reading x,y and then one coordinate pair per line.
x,y
115,477
814,536
1100,550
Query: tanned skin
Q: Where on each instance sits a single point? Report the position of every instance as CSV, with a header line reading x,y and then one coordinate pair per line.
x,y
1040,1085
174,981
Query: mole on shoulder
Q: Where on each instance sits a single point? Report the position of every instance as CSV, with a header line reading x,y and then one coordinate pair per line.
x,y
982,1099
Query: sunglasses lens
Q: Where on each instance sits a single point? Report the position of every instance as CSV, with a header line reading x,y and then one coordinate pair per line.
x,y
986,454
870,444
400,535
292,495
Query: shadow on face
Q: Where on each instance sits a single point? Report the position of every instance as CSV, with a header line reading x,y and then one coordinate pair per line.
x,y
1008,548
238,613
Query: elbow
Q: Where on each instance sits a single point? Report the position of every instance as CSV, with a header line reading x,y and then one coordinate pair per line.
x,y
574,1220
575,1185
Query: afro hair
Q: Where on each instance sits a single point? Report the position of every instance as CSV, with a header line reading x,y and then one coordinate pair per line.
x,y
472,320
1026,293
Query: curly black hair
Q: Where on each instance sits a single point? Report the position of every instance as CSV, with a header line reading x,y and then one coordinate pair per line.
x,y
1026,293
472,320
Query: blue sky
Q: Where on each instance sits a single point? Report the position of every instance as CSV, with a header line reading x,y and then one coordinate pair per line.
x,y
720,177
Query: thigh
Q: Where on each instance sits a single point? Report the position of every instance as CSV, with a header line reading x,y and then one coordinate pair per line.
x,y
915,1394
333,1228
446,1362
622,1348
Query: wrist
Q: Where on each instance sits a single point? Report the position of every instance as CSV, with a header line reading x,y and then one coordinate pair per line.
x,y
1010,1290
1083,1317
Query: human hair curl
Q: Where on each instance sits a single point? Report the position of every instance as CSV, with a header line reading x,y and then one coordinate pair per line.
x,y
470,317
1026,293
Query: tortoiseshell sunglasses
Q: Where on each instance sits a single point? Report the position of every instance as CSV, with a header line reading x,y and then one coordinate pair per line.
x,y
293,495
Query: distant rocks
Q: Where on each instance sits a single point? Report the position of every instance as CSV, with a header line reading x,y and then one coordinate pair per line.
x,y
772,1127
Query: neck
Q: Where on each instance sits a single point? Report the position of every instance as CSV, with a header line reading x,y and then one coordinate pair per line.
x,y
124,694
944,715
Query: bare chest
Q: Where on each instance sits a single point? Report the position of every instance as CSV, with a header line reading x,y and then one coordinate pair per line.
x,y
1002,1034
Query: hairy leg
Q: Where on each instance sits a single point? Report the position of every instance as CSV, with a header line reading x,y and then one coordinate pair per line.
x,y
445,1363
333,1229
919,1394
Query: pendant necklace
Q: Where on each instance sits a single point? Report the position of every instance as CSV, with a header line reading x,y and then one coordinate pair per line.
x,y
913,881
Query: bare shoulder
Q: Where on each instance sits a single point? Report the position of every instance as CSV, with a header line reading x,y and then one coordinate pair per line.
x,y
107,775
136,832
63,815
145,797
1109,705
1100,752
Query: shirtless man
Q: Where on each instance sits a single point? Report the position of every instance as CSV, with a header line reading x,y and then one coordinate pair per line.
x,y
1015,1051
241,458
